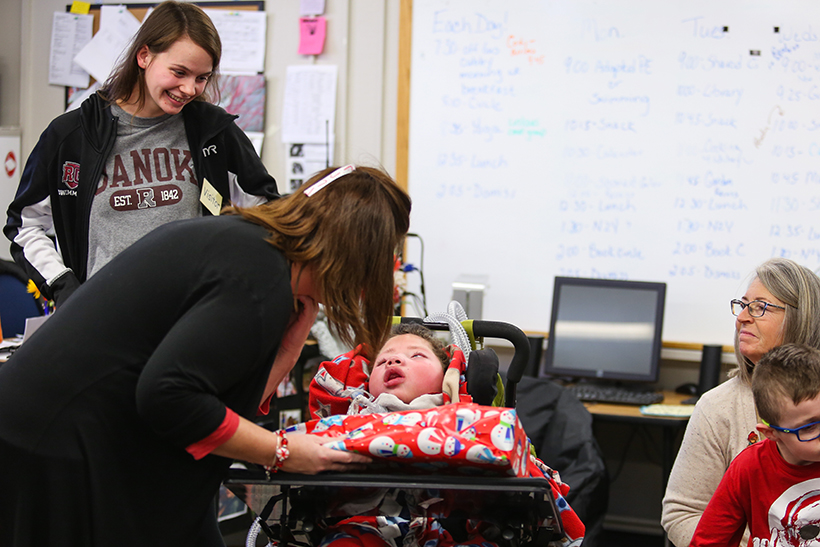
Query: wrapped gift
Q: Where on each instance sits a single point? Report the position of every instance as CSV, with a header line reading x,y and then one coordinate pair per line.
x,y
462,437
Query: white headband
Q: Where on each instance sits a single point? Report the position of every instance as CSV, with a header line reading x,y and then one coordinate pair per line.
x,y
338,173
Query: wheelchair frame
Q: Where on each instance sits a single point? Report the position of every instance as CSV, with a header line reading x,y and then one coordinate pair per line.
x,y
518,511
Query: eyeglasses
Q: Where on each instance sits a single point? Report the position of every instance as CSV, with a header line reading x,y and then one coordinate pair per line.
x,y
804,433
756,307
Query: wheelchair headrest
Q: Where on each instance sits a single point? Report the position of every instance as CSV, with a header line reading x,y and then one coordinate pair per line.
x,y
482,375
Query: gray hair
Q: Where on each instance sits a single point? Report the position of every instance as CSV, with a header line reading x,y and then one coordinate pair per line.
x,y
799,289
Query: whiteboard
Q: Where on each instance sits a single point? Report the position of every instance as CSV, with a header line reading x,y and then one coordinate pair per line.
x,y
642,140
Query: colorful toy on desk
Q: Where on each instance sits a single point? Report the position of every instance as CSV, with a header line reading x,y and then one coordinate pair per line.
x,y
48,305
32,288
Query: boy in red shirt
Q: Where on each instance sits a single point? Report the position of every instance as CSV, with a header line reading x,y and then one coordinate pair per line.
x,y
773,487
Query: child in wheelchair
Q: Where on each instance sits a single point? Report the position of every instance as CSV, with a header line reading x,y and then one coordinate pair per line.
x,y
379,406
351,385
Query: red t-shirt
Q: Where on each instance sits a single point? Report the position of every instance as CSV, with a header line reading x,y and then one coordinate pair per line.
x,y
777,500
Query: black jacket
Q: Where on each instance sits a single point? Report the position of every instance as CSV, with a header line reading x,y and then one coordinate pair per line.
x,y
61,176
134,369
560,429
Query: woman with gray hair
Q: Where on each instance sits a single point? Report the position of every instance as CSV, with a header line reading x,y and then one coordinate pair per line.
x,y
781,305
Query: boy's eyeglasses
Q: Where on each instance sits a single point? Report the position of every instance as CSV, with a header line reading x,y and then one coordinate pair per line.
x,y
804,433
756,307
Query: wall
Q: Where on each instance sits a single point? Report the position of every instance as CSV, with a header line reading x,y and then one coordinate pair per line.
x,y
10,65
9,94
362,41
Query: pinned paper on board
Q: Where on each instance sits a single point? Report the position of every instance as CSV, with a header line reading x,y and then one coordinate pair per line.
x,y
244,96
309,109
70,32
312,31
311,7
305,160
100,55
80,8
243,39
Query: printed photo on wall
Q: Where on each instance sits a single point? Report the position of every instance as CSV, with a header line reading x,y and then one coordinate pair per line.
x,y
289,417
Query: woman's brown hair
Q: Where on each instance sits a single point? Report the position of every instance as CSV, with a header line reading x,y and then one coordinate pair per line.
x,y
169,22
349,231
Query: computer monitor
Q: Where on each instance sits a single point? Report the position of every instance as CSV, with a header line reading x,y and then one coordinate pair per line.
x,y
605,329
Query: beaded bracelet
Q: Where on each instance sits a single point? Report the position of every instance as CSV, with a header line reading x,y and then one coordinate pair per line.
x,y
280,455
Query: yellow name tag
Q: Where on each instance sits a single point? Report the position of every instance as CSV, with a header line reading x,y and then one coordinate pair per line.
x,y
210,198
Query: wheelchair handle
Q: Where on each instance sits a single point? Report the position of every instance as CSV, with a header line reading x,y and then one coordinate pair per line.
x,y
519,340
496,329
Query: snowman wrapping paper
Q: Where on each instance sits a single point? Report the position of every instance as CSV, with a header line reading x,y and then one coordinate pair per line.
x,y
463,437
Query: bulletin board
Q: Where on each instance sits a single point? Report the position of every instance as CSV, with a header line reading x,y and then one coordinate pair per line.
x,y
139,10
651,141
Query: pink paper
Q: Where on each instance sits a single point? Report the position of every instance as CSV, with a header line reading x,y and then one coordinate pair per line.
x,y
312,31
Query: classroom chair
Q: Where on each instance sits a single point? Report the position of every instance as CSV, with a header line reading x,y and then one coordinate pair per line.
x,y
16,303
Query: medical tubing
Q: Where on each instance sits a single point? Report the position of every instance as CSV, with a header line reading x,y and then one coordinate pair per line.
x,y
453,317
455,309
253,532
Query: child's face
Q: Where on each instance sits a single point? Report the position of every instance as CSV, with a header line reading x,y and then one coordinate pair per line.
x,y
174,77
406,367
793,450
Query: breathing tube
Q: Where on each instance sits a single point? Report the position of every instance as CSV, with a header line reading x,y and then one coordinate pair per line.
x,y
256,527
453,317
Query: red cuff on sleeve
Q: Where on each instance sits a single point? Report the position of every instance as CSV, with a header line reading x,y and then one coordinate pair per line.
x,y
225,431
264,408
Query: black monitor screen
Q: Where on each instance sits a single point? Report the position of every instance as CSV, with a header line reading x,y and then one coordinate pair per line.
x,y
605,329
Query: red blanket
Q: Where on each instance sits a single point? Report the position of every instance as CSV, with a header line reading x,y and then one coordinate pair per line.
x,y
462,438
465,437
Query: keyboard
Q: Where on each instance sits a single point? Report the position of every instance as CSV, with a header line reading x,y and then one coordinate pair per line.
x,y
614,394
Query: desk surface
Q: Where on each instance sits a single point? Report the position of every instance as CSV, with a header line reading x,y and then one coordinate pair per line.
x,y
629,413
671,427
